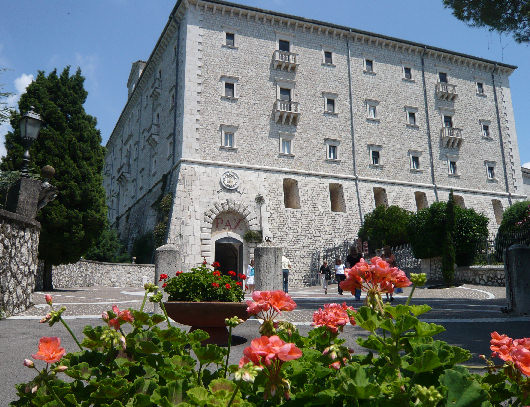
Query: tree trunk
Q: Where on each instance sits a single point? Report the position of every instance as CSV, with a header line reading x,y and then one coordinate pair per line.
x,y
47,284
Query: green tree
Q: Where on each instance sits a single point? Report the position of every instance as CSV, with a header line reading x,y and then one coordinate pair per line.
x,y
385,226
108,248
4,108
448,246
514,228
503,16
70,142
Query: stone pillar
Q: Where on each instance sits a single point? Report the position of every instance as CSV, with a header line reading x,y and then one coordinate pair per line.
x,y
268,268
167,261
23,197
516,266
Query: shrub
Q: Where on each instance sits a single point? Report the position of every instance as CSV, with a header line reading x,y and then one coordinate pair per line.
x,y
253,236
427,230
108,248
515,227
143,248
159,234
385,226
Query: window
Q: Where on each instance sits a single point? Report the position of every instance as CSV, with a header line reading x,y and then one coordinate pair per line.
x,y
421,200
497,210
459,201
230,90
286,147
407,72
336,197
411,118
332,152
291,196
286,144
442,77
328,57
448,121
285,94
332,149
372,111
330,104
369,65
452,168
380,197
490,170
375,157
485,129
414,162
284,45
230,40
228,137
480,88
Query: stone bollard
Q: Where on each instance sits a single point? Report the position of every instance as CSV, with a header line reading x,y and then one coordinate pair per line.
x,y
268,268
516,266
23,197
167,261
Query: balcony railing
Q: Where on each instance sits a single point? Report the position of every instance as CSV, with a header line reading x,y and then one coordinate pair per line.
x,y
286,112
284,60
446,91
153,130
451,137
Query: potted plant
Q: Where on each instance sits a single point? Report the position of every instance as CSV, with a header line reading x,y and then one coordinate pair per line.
x,y
203,298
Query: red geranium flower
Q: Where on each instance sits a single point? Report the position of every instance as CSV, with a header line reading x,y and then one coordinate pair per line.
x,y
178,273
216,285
216,264
232,273
164,285
49,349
217,273
333,317
512,351
227,286
242,277
163,277
270,304
239,283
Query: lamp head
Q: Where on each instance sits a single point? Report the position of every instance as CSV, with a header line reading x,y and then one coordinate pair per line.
x,y
30,125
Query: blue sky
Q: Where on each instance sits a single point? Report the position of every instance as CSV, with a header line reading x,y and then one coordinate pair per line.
x,y
104,37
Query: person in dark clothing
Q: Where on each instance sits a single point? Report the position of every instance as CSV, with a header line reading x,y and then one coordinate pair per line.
x,y
352,259
325,275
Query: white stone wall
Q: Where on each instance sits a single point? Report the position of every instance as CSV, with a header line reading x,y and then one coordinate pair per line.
x,y
197,32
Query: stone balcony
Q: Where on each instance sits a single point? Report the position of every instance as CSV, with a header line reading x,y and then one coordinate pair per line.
x,y
446,91
286,112
153,131
284,60
155,88
451,137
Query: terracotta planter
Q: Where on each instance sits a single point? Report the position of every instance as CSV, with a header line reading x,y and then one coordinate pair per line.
x,y
208,316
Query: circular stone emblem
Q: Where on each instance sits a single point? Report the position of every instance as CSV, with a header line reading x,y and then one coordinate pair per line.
x,y
230,180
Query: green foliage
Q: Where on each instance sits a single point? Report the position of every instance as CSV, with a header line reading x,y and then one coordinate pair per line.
x,y
4,109
108,248
503,16
253,236
514,228
143,248
448,247
7,179
70,142
385,226
159,233
203,284
427,230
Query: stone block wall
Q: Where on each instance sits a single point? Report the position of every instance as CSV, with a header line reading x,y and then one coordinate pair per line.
x,y
19,243
87,273
488,275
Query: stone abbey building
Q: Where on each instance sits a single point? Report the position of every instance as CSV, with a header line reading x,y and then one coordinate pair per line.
x,y
261,121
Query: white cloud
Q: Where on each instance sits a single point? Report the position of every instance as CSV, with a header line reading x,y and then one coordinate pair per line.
x,y
88,65
526,165
20,83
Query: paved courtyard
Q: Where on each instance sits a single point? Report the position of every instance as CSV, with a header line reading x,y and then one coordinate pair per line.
x,y
469,313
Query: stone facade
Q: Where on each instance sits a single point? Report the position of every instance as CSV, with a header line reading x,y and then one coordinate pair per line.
x,y
488,275
526,181
220,118
88,273
18,261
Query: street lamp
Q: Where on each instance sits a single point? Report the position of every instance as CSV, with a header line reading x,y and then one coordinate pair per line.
x,y
30,125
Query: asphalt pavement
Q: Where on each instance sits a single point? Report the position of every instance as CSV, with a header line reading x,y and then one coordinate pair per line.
x,y
469,313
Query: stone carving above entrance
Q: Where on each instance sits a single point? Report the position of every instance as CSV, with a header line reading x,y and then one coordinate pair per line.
x,y
229,222
230,180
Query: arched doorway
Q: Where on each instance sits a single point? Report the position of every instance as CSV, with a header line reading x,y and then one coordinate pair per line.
x,y
229,254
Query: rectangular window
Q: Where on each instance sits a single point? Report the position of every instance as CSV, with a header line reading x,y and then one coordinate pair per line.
x,y
415,162
284,45
285,94
480,88
491,172
485,131
336,197
230,39
228,140
330,105
452,168
411,118
368,65
332,152
448,121
376,157
372,112
442,77
286,146
291,196
328,57
407,72
229,90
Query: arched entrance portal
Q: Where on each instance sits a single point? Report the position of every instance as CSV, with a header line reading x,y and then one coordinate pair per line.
x,y
229,254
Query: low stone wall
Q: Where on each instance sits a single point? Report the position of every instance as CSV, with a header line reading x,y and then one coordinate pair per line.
x,y
479,275
19,244
88,273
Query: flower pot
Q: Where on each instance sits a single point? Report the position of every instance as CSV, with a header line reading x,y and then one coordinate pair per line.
x,y
208,316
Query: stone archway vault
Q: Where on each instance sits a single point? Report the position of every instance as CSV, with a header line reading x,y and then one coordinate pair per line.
x,y
228,205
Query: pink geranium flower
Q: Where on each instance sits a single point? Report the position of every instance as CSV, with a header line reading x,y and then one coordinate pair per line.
x,y
50,349
333,317
512,351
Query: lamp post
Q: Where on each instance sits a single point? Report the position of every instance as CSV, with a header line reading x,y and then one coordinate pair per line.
x,y
30,125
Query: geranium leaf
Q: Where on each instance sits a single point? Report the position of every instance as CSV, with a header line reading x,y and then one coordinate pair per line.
x,y
419,309
355,383
209,353
462,389
198,395
221,384
367,318
140,400
426,329
370,343
156,319
425,362
198,336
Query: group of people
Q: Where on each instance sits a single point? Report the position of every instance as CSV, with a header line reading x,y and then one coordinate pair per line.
x,y
352,259
286,267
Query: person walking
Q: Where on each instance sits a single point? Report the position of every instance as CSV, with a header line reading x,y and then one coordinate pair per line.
x,y
286,266
353,258
250,277
325,275
391,260
339,273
